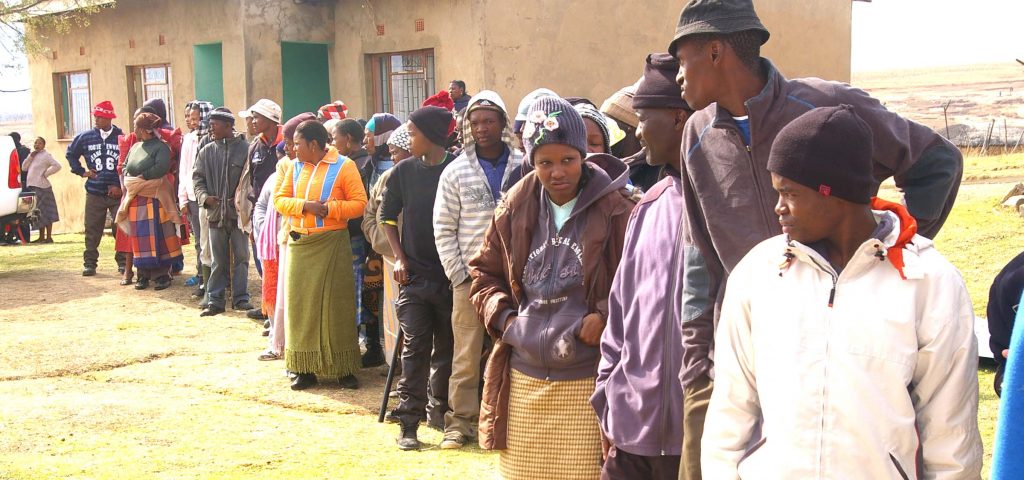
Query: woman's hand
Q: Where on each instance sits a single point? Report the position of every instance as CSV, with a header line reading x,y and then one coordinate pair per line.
x,y
401,272
316,208
590,332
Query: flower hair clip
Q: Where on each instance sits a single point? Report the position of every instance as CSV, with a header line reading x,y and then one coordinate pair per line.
x,y
539,121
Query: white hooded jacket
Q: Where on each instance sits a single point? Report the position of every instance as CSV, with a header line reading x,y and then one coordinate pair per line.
x,y
861,374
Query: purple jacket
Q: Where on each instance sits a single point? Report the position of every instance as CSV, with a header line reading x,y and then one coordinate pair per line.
x,y
638,397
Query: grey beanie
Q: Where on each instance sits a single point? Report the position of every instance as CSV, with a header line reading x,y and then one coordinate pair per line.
x,y
553,120
717,17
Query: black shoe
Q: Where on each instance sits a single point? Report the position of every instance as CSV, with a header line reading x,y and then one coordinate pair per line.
x,y
303,381
254,313
199,292
88,271
211,310
243,305
142,283
373,357
349,382
408,440
162,283
392,417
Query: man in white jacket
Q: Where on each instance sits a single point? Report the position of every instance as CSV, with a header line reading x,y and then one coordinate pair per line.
x,y
467,193
846,346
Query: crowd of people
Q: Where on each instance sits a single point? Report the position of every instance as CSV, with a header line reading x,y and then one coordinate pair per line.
x,y
693,279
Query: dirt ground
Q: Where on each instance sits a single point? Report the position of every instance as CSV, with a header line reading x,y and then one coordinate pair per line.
x,y
102,381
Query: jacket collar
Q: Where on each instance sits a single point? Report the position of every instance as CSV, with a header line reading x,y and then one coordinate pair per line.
x,y
759,106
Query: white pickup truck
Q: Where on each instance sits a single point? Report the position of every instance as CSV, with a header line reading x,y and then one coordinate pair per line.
x,y
15,202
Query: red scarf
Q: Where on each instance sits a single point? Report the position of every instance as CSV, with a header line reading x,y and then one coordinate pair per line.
x,y
908,228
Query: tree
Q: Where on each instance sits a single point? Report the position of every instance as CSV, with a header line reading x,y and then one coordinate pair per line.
x,y
25,24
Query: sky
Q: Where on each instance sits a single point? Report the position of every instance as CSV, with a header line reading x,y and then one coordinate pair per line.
x,y
891,34
887,34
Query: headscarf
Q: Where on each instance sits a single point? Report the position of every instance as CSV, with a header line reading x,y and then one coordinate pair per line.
x,y
160,109
336,110
147,121
204,115
400,138
382,126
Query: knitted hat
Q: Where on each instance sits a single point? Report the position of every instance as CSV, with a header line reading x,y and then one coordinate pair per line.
x,y
382,126
104,109
717,17
288,131
658,87
266,108
553,120
827,149
337,111
436,123
222,114
524,106
589,111
620,106
147,121
400,138
440,99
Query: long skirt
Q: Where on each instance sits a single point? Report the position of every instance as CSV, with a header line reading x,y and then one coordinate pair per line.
x,y
154,238
320,336
552,430
47,205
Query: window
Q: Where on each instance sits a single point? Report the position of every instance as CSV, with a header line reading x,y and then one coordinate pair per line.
x,y
74,107
149,82
402,80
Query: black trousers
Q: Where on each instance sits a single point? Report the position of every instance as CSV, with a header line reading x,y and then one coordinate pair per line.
x,y
424,311
622,465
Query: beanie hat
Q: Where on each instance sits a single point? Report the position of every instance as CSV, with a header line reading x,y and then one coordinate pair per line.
x,y
104,109
337,111
717,17
222,114
288,131
827,149
436,123
382,126
524,106
620,106
440,99
553,120
589,111
400,138
658,87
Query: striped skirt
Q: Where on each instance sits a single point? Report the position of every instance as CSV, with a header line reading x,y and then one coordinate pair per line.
x,y
47,205
552,430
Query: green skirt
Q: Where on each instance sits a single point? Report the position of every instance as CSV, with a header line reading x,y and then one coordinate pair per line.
x,y
321,335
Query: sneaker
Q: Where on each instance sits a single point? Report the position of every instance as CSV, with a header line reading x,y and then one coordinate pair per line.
x,y
453,440
243,305
255,314
199,292
193,281
408,440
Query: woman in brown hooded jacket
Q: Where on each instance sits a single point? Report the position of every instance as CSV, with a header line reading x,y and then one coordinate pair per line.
x,y
540,284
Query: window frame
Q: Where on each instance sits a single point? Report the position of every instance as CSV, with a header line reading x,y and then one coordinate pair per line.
x,y
383,78
60,79
137,97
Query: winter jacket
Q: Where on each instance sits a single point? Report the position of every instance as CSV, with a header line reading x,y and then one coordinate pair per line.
x,y
221,171
728,190
638,397
101,156
498,289
465,203
1003,305
861,374
333,181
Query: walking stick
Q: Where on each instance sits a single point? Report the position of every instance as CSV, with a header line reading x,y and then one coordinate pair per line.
x,y
391,376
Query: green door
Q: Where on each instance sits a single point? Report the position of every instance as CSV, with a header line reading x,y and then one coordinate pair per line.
x,y
305,77
209,73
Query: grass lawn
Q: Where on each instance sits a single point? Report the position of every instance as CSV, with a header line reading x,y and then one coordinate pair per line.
x,y
101,381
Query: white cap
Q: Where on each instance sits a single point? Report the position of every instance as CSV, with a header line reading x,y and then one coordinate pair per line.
x,y
267,108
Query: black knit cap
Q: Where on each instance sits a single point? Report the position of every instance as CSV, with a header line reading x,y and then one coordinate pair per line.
x,y
658,87
827,149
434,122
719,17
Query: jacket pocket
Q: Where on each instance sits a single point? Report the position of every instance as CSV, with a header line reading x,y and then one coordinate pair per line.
x,y
899,467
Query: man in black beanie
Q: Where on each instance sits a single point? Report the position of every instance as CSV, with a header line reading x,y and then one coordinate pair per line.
x,y
846,343
742,102
425,296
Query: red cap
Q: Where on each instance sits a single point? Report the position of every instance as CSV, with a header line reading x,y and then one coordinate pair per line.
x,y
104,109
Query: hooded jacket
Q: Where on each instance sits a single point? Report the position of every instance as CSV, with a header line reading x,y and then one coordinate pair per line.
x,y
464,203
498,286
864,372
221,171
728,191
638,397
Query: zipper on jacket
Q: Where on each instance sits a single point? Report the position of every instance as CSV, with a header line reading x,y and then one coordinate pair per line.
x,y
753,172
835,280
666,335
